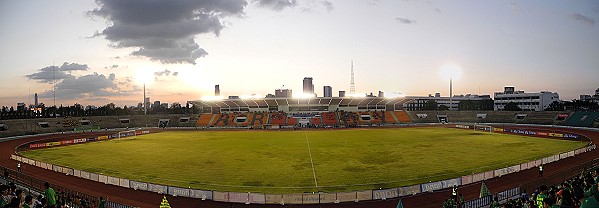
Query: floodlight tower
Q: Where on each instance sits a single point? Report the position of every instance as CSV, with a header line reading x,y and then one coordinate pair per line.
x,y
352,87
144,101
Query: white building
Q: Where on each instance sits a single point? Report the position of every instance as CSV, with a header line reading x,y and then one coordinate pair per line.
x,y
527,101
417,103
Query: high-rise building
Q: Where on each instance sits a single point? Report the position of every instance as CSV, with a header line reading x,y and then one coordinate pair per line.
x,y
381,94
527,101
341,93
216,90
35,100
308,86
327,91
283,93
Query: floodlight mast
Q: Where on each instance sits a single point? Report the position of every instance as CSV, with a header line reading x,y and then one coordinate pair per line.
x,y
450,93
144,100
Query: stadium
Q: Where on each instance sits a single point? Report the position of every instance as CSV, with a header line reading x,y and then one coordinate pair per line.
x,y
313,151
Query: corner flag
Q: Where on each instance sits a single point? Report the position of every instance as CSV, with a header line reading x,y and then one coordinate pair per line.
x,y
484,191
164,203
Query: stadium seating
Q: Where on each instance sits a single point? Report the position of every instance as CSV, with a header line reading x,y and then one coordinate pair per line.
x,y
582,119
258,119
204,119
278,118
330,118
402,116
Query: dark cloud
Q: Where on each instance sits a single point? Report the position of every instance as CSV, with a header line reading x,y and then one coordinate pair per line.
x,y
405,20
112,67
276,5
327,4
175,73
582,19
164,30
51,73
165,73
87,86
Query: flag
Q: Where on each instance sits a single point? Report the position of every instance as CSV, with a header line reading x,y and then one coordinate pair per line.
x,y
164,203
484,191
399,204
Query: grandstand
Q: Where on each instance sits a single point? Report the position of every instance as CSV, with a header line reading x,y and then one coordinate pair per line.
x,y
583,119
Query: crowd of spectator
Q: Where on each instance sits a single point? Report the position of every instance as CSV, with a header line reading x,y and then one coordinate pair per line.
x,y
578,192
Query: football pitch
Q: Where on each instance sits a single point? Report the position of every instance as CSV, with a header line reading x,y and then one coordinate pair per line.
x,y
303,160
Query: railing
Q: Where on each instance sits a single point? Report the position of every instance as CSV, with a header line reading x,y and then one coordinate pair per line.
x,y
72,198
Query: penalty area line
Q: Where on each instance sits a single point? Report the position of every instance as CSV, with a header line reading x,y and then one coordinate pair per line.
x,y
311,161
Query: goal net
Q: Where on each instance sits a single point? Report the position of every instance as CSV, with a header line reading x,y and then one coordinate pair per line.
x,y
485,128
128,133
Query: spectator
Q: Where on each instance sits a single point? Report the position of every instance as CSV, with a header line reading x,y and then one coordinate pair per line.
x,y
541,196
50,196
28,203
5,174
102,203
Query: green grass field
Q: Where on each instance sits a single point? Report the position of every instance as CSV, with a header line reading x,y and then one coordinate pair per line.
x,y
280,161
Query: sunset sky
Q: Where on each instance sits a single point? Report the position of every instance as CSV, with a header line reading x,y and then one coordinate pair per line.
x,y
98,51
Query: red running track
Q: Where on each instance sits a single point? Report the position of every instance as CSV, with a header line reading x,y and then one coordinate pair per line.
x,y
150,199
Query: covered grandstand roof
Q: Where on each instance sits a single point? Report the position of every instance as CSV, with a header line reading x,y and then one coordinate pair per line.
x,y
324,101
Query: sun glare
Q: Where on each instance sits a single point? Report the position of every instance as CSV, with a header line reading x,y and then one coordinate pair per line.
x,y
451,71
144,76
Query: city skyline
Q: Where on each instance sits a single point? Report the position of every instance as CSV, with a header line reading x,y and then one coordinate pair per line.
x,y
99,51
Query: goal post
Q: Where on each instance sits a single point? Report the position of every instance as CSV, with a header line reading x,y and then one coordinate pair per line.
x,y
484,128
128,133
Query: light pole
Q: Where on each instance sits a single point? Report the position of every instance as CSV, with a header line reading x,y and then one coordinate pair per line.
x,y
450,93
144,101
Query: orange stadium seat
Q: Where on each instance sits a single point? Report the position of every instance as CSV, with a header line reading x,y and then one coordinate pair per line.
x,y
204,119
402,116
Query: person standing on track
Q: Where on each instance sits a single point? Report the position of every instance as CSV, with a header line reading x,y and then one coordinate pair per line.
x,y
540,170
19,167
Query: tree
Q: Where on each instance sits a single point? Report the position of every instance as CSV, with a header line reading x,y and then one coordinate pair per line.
x,y
511,106
430,105
555,106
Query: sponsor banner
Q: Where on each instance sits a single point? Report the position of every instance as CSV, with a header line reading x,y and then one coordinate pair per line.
x,y
571,154
563,155
556,135
572,136
385,193
462,126
505,171
44,165
311,198
488,175
19,158
500,172
13,157
138,185
157,188
31,162
274,199
576,152
538,163
51,144
430,187
531,164
513,169
525,132
408,190
363,195
542,133
77,173
102,179
220,196
63,142
57,168
348,196
94,177
555,158
257,198
523,166
200,194
478,177
85,175
49,166
292,198
124,182
68,171
102,137
82,140
145,132
38,145
91,139
466,179
114,181
176,191
238,197
498,129
38,163
328,198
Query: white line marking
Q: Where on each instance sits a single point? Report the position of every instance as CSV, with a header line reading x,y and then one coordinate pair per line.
x,y
311,162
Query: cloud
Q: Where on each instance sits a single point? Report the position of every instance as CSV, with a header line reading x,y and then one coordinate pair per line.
x,y
327,4
165,73
165,31
112,67
277,5
437,10
405,20
87,86
51,73
582,19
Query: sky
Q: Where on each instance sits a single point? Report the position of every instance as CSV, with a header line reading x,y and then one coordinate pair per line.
x,y
102,51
